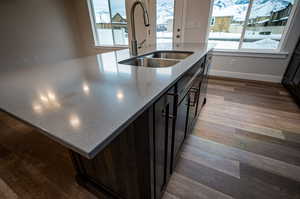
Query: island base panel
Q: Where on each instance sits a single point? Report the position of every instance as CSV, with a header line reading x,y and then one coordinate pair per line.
x,y
123,168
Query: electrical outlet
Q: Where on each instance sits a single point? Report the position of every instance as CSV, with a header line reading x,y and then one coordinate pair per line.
x,y
232,61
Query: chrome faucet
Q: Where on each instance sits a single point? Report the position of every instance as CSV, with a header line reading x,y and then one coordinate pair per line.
x,y
134,44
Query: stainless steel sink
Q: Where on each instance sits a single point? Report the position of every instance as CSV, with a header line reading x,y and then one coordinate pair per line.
x,y
149,62
157,59
170,54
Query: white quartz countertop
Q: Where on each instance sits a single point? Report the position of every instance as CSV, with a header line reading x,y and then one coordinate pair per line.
x,y
85,103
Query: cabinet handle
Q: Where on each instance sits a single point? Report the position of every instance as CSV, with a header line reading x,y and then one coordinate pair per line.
x,y
164,115
194,90
173,94
194,101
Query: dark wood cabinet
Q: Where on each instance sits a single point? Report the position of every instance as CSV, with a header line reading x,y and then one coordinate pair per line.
x,y
296,78
179,132
123,169
139,162
291,79
162,139
191,92
196,93
204,82
192,114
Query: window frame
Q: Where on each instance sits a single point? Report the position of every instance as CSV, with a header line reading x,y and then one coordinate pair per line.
x,y
94,31
283,38
213,21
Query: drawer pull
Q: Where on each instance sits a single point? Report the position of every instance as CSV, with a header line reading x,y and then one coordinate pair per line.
x,y
173,94
170,116
195,91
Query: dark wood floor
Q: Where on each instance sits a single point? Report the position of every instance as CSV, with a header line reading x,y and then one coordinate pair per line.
x,y
246,144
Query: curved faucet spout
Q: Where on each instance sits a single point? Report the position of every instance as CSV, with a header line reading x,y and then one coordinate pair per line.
x,y
132,20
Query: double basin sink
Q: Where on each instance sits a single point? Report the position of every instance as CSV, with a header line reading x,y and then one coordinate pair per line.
x,y
157,59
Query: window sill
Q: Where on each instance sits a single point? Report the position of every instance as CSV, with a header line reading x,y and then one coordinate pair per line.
x,y
248,53
111,47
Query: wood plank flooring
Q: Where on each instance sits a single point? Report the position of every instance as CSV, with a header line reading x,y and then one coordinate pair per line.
x,y
246,144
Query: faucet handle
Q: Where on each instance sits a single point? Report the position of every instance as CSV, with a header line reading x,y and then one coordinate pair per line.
x,y
141,44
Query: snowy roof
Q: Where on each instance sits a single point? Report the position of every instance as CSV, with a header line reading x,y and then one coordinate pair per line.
x,y
222,12
265,8
263,21
238,8
238,12
281,19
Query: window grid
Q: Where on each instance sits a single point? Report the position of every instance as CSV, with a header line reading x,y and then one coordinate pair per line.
x,y
94,26
245,24
93,19
111,17
283,35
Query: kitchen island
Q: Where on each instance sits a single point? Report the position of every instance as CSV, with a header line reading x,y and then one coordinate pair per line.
x,y
123,124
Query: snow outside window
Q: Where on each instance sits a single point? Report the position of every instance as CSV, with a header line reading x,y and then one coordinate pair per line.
x,y
110,23
249,24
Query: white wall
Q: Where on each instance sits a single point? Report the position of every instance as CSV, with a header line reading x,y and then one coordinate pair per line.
x,y
195,20
254,68
37,31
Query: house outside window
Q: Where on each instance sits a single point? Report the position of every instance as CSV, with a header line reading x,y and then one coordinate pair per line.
x,y
109,22
250,24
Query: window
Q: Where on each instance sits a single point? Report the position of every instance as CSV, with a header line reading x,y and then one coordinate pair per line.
x,y
249,24
110,23
164,21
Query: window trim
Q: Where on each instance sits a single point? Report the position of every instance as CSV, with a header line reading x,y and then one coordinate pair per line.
x,y
288,25
281,44
93,26
251,53
245,24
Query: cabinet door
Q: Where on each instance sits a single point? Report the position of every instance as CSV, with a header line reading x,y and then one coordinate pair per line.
x,y
192,113
194,93
296,78
162,144
296,83
179,132
293,66
291,79
204,82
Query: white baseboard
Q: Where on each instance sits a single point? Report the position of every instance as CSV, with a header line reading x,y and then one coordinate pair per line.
x,y
249,76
